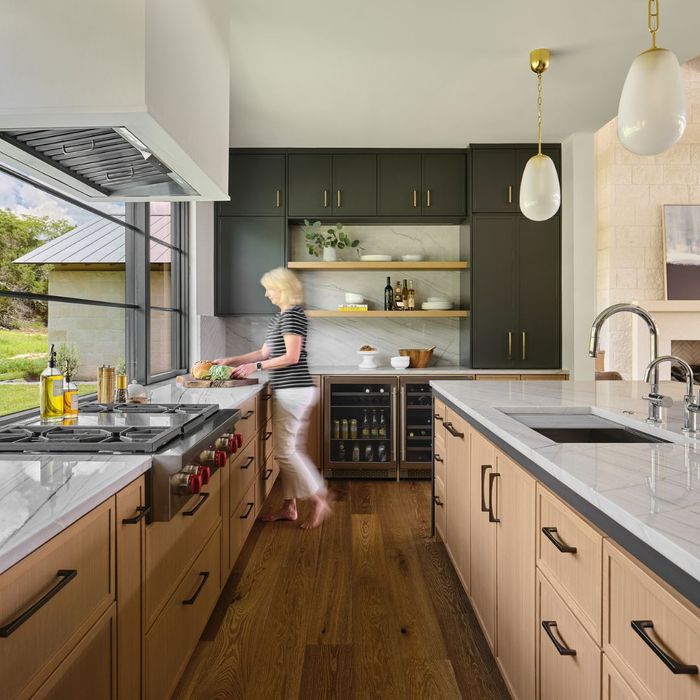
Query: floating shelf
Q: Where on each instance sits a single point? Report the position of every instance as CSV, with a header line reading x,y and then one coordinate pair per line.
x,y
393,265
452,313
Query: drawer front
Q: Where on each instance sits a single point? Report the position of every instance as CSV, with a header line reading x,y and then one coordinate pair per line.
x,y
242,472
266,443
630,594
174,636
615,687
264,482
264,406
439,505
75,571
247,426
171,546
564,675
242,519
578,575
439,456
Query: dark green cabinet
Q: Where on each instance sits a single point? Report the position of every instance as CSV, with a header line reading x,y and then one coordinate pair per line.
x,y
332,184
256,185
516,292
496,172
399,183
444,184
244,249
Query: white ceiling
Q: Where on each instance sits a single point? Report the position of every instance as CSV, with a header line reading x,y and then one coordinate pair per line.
x,y
414,73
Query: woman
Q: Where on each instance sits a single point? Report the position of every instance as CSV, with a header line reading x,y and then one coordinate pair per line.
x,y
284,356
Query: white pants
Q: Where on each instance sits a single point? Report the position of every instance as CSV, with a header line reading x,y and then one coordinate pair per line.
x,y
290,417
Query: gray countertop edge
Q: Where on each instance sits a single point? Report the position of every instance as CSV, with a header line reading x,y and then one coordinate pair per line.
x,y
667,570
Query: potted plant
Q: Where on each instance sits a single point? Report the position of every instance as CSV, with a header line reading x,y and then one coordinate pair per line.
x,y
327,244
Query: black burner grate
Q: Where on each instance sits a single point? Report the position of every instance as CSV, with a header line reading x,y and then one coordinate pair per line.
x,y
68,435
140,434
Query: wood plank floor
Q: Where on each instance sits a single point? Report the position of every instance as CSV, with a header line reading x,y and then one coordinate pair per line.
x,y
367,606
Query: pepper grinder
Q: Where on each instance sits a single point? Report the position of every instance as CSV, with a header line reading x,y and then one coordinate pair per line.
x,y
120,394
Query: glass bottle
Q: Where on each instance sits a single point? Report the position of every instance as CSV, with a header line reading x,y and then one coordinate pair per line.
x,y
369,452
381,452
411,296
336,429
51,391
398,297
344,430
341,451
365,425
355,453
374,430
404,295
388,295
70,398
353,428
382,425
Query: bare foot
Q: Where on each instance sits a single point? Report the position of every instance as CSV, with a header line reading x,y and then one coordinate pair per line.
x,y
320,510
284,513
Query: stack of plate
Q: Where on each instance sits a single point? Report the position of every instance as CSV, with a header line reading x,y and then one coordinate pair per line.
x,y
436,304
376,258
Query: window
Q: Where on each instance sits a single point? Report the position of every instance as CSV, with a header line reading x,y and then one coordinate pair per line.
x,y
108,282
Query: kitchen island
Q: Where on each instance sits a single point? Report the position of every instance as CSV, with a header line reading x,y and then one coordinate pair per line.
x,y
586,546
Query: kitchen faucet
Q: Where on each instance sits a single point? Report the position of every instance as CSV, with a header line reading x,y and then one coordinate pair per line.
x,y
692,404
654,398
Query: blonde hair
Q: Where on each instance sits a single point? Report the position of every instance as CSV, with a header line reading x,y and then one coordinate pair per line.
x,y
286,283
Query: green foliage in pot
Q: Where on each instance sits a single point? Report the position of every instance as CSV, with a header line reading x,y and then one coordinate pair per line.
x,y
316,240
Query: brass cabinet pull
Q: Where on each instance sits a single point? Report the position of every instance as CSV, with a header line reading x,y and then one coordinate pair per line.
x,y
277,199
524,353
325,199
427,198
510,345
339,204
415,198
510,194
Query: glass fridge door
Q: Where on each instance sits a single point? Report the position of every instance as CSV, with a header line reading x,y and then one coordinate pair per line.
x,y
417,432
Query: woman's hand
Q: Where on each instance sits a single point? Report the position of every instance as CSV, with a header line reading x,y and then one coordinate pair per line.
x,y
244,370
223,360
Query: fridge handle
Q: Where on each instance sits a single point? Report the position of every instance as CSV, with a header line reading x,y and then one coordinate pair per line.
x,y
403,424
393,425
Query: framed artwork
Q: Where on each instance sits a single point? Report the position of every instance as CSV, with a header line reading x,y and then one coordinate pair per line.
x,y
681,237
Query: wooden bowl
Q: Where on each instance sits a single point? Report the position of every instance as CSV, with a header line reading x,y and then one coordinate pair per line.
x,y
418,358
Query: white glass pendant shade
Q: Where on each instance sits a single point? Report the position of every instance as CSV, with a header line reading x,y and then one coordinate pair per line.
x,y
653,113
540,195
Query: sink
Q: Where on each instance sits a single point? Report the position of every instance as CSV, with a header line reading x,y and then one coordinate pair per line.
x,y
577,424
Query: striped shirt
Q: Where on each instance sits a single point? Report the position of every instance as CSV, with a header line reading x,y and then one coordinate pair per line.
x,y
293,321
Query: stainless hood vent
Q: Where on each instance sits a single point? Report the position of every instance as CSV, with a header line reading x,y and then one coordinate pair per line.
x,y
102,162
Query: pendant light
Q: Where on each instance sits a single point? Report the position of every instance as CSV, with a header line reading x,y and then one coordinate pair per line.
x,y
653,113
540,195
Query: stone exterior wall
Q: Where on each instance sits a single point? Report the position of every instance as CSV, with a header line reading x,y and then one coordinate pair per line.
x,y
631,191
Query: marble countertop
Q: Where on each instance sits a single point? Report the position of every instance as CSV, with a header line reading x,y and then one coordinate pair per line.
x,y
435,369
652,490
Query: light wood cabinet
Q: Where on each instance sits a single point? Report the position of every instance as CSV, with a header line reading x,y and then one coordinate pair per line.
x,y
263,407
643,620
457,494
514,506
131,545
242,470
241,523
266,443
498,377
440,508
615,687
483,535
247,426
439,456
74,573
568,659
570,552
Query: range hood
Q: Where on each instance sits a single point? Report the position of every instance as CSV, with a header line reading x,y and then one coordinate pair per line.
x,y
96,162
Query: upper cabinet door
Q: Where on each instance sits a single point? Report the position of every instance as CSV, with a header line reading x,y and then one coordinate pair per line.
x,y
399,184
493,180
310,185
539,294
255,185
354,185
444,184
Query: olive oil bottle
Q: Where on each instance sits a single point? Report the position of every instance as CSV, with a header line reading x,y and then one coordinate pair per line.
x,y
51,391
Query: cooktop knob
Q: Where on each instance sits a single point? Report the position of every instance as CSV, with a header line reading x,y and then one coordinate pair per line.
x,y
225,444
220,457
239,439
194,483
204,473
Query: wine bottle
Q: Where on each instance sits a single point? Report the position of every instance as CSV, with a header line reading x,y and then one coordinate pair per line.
x,y
382,425
398,297
404,295
374,431
411,296
388,296
365,425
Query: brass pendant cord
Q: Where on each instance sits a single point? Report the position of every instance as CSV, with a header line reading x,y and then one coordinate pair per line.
x,y
653,20
539,114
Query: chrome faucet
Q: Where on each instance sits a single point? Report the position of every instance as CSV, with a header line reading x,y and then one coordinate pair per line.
x,y
692,405
602,317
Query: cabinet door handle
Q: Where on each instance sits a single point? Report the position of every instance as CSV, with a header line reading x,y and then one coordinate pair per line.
x,y
561,648
524,338
251,459
141,513
415,198
510,194
510,345
267,436
427,198
549,534
248,415
484,469
338,199
66,576
438,502
202,499
325,199
247,513
437,458
195,595
277,199
267,474
437,416
641,627
492,479
451,430
266,397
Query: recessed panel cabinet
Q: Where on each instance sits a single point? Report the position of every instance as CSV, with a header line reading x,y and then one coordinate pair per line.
x,y
255,185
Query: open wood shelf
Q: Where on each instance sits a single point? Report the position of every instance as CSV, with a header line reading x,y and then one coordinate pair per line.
x,y
393,265
452,313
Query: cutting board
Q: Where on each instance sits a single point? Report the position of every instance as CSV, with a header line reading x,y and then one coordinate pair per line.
x,y
189,382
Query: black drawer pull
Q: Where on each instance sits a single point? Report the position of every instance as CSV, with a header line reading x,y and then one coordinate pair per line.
x,y
66,576
549,534
266,397
202,498
438,502
267,475
438,458
452,431
492,479
251,459
141,513
195,595
248,415
484,469
267,436
561,648
247,513
437,416
641,627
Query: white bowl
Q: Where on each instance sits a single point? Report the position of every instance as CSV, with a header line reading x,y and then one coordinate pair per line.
x,y
352,298
400,361
411,258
